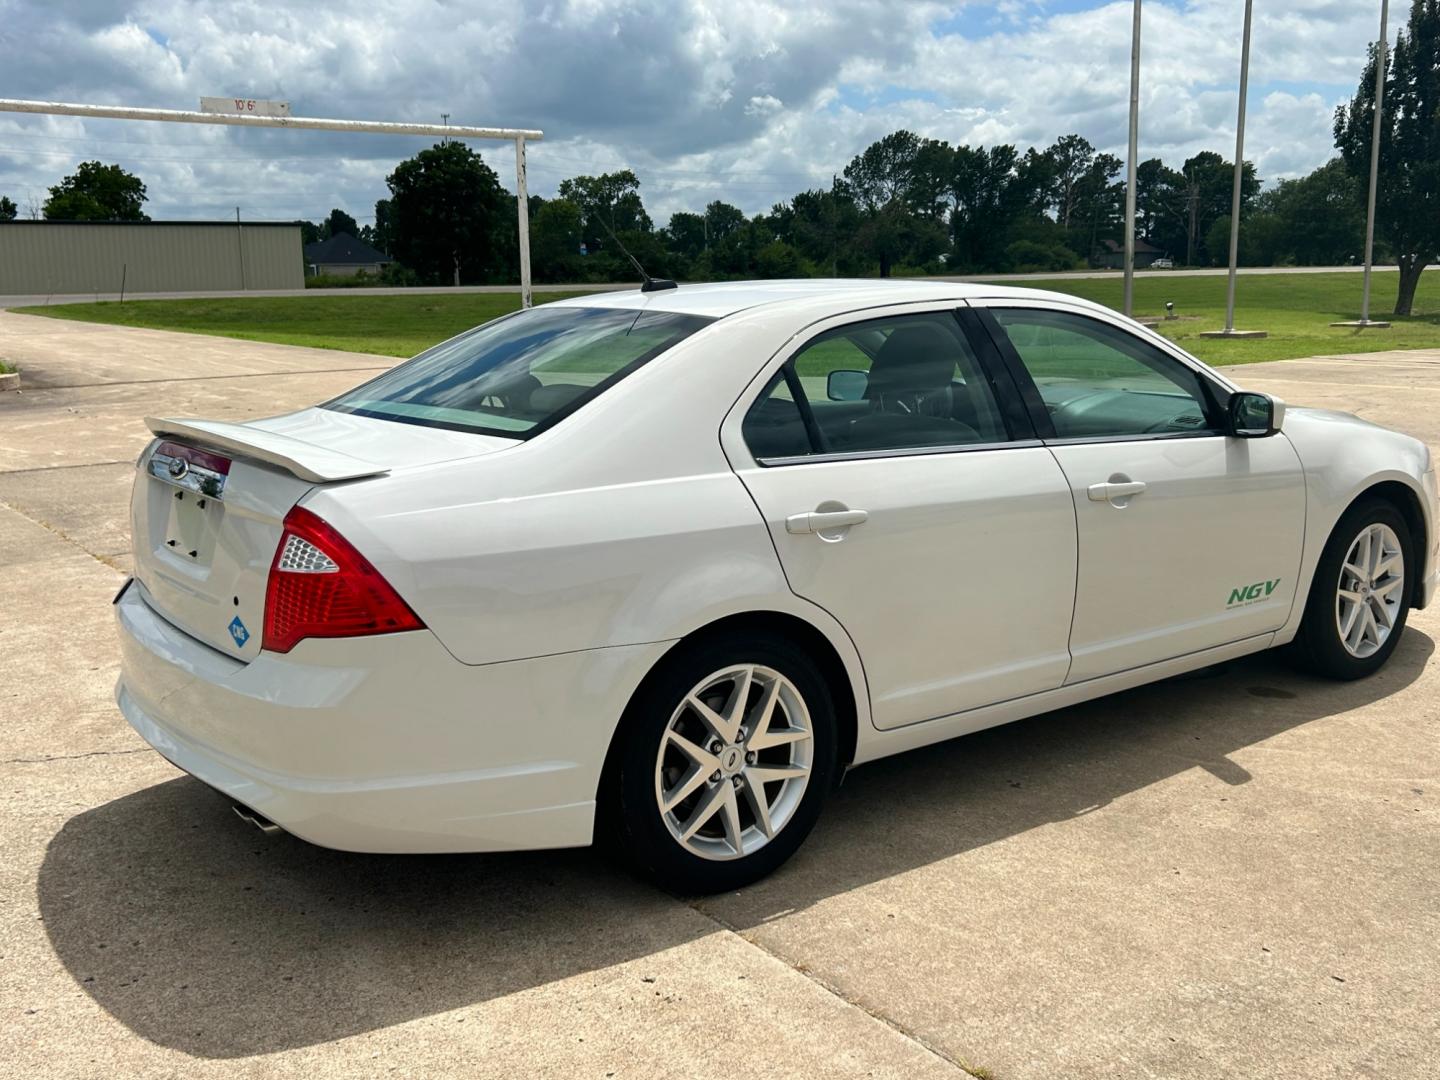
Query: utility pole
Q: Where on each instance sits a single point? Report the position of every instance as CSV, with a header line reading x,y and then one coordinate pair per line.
x,y
1130,164
445,119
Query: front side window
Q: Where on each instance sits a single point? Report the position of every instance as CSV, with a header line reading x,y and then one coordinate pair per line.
x,y
1096,380
516,376
906,382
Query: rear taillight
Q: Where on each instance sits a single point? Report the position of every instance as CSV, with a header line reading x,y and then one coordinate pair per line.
x,y
320,586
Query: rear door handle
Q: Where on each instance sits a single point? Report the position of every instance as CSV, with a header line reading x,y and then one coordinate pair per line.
x,y
1113,490
824,521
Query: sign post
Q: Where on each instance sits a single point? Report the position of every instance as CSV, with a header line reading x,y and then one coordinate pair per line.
x,y
238,112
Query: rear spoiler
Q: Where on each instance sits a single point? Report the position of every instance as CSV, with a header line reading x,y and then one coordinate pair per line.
x,y
317,464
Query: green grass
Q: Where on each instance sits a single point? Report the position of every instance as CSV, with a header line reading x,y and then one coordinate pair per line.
x,y
388,325
5,369
1296,309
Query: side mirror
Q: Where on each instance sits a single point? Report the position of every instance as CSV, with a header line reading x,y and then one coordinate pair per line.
x,y
1254,416
843,384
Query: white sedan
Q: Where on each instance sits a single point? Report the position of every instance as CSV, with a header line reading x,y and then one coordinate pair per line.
x,y
656,567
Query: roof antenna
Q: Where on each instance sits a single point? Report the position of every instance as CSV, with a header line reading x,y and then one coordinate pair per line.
x,y
649,284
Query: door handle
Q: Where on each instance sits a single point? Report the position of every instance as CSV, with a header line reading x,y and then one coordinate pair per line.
x,y
824,521
1114,490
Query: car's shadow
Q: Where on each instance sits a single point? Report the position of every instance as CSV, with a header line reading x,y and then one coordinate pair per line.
x,y
200,934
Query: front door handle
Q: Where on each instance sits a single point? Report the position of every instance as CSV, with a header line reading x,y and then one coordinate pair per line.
x,y
1116,490
824,521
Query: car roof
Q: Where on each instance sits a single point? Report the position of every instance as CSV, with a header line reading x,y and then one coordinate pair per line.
x,y
718,299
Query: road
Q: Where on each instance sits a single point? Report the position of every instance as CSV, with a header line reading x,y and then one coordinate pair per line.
x,y
37,300
1231,874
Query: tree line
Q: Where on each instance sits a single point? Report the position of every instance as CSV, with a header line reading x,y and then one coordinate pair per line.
x,y
910,205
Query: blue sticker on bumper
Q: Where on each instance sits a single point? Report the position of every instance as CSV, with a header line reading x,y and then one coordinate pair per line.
x,y
238,632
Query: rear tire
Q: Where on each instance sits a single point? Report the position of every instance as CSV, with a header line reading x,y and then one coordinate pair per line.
x,y
1360,595
723,761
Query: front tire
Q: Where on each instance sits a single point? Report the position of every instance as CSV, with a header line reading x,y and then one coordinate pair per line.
x,y
1360,596
726,756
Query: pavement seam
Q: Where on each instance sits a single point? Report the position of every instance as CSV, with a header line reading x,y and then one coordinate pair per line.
x,y
207,378
51,468
900,1029
103,560
74,757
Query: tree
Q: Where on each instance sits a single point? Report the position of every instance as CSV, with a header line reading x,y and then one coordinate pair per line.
x,y
448,215
1071,158
821,225
1317,220
880,179
1407,204
555,242
383,236
340,222
97,192
608,203
8,209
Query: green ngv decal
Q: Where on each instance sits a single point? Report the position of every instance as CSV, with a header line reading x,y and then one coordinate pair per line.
x,y
1250,594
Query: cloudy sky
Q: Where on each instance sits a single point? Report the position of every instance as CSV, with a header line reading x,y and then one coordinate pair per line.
x,y
745,100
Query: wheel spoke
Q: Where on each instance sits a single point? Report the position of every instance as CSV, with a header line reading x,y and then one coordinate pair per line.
x,y
713,720
755,793
682,790
703,758
735,707
706,810
1380,614
1382,591
1369,629
733,832
1352,614
764,740
1384,566
1350,595
764,774
1354,629
763,715
1357,573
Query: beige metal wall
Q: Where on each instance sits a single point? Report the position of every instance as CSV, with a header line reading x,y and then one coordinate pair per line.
x,y
43,258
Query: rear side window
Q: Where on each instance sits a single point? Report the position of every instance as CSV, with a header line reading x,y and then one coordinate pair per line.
x,y
517,376
908,382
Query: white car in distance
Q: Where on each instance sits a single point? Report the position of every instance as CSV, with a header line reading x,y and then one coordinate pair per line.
x,y
657,566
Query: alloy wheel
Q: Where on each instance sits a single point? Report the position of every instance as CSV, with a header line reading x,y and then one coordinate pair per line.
x,y
734,762
1371,589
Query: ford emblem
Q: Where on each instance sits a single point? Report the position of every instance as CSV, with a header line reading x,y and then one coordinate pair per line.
x,y
178,468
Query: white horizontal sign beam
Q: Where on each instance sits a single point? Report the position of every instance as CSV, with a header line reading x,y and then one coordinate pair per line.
x,y
302,123
244,106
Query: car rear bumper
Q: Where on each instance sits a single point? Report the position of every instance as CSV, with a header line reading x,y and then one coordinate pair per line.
x,y
386,743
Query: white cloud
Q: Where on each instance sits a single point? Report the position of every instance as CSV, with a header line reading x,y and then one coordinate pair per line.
x,y
747,100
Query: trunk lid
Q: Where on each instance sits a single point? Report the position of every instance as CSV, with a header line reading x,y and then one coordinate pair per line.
x,y
210,500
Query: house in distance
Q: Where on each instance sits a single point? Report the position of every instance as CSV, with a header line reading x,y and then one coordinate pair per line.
x,y
343,255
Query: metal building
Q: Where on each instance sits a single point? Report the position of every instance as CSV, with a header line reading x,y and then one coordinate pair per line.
x,y
60,257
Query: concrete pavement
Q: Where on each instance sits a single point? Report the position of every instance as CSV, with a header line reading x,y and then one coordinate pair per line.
x,y
1230,874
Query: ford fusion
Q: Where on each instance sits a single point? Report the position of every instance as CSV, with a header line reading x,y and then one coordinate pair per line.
x,y
657,567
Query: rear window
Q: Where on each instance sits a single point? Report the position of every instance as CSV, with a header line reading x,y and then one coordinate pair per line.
x,y
516,376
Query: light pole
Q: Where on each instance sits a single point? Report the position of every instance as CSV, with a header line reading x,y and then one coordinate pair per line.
x,y
1131,160
1235,192
1382,48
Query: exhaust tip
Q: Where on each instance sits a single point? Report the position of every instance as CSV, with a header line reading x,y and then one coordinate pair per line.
x,y
260,821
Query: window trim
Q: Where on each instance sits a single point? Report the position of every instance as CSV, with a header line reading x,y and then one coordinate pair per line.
x,y
1013,416
1035,405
